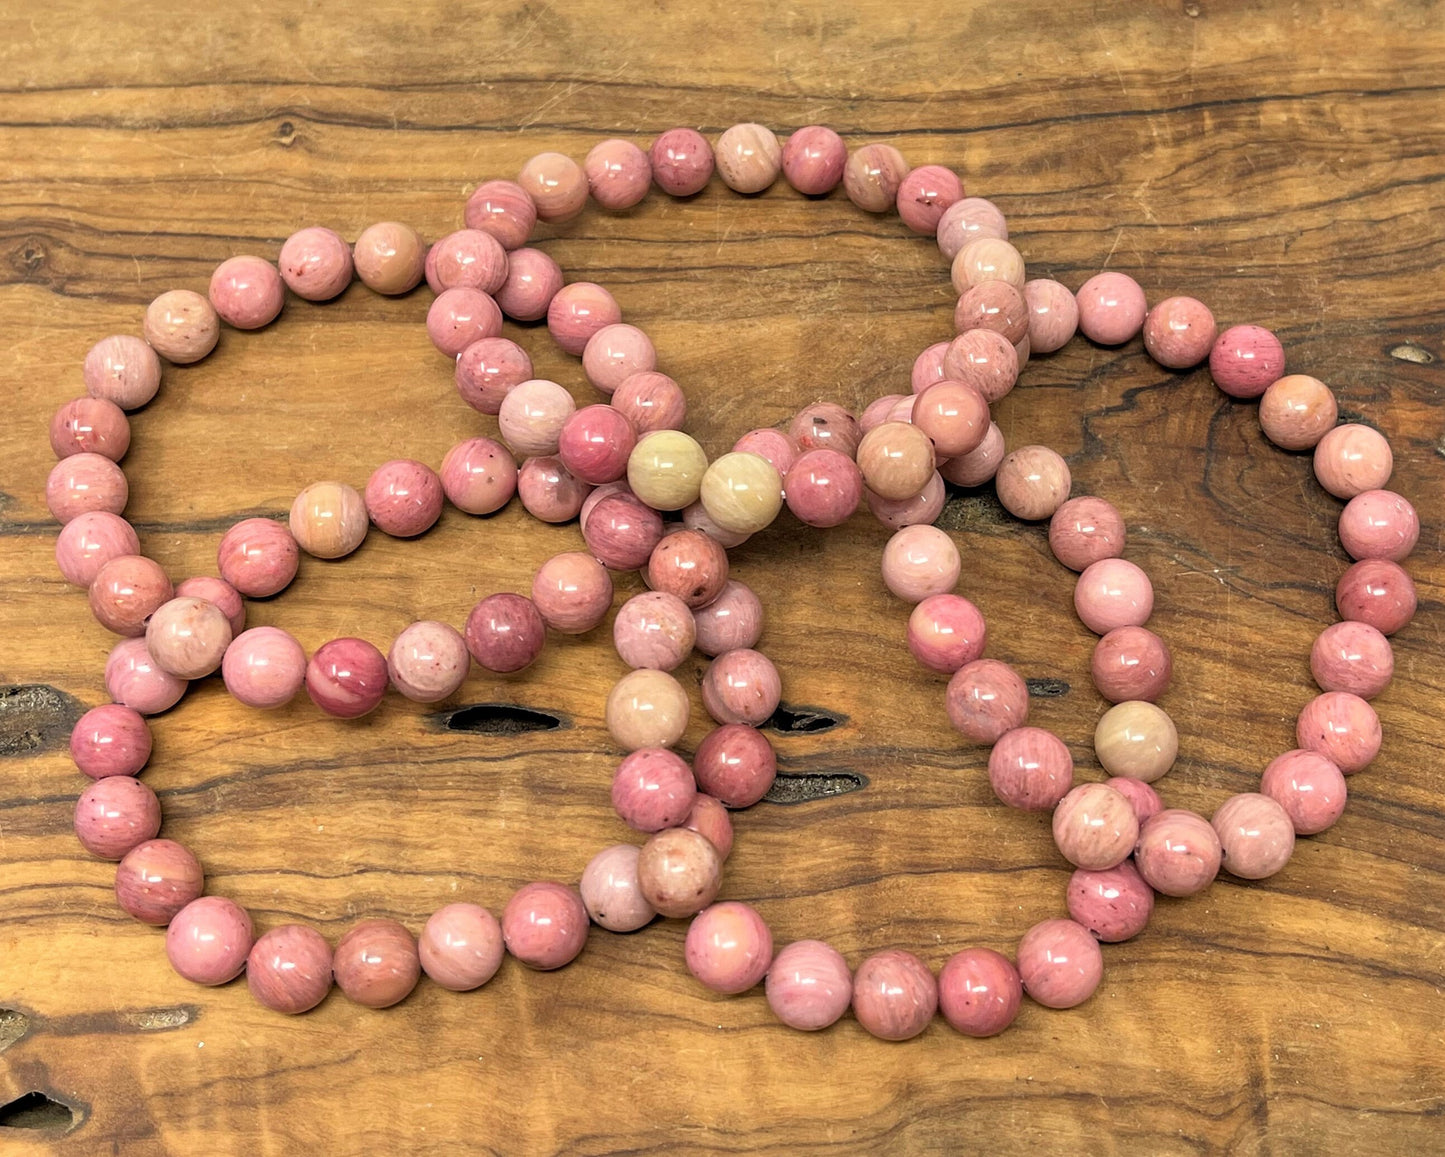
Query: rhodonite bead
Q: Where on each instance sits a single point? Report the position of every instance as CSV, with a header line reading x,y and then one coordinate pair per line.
x,y
989,259
967,220
696,517
614,353
742,687
813,160
573,592
682,162
992,304
461,947
650,401
1256,835
389,258
110,740
505,633
1032,482
85,483
654,629
1342,727
920,561
979,992
1084,531
690,565
1095,827
1309,787
1179,332
1131,663
679,872
982,359
1111,308
1351,459
618,174
258,557
114,815
1113,903
979,466
533,280
1113,593
621,531
579,311
127,591
217,591
156,879
1053,315
928,367
925,194
809,986
470,259
731,622
376,963
742,492
181,326
1352,657
346,678
1030,768
823,488
188,637
945,632
611,891
872,175
403,498
209,939
1178,852
1246,360
90,426
545,925
247,292
896,458
122,369
646,709
428,661
133,679
736,764
825,426
328,520
1379,524
557,186
505,210
923,508
548,490
728,947
1144,799
459,317
1378,592
264,667
986,699
1296,411
487,370
878,411
749,158
709,817
88,541
315,263
1136,739
595,443
289,969
894,992
1060,964
665,469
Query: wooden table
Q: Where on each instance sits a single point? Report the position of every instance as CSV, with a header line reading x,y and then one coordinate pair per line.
x,y
1283,164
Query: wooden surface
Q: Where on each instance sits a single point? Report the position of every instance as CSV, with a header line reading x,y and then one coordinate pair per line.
x,y
1282,163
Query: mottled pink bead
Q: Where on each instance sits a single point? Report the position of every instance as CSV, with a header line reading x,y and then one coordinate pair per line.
x,y
1310,788
809,986
922,509
479,475
994,305
611,892
1256,835
872,175
1296,411
742,687
736,764
264,667
470,259
505,633
1095,827
346,678
614,353
403,497
925,194
618,173
376,963
545,925
945,632
289,969
1378,592
459,317
461,947
920,561
825,426
682,162
1342,727
986,699
181,326
1353,657
928,367
1113,593
894,993
877,412
1178,852
1084,531
258,557
1111,308
1143,798
505,210
968,220
654,630
748,158
622,533
133,679
984,360
247,292
428,661
1131,663
979,992
122,369
1060,963
557,186
83,483
1379,524
88,541
823,487
1032,482
316,263
709,817
650,401
572,591
1246,360
209,939
115,814
1030,768
690,565
1053,315
578,311
813,160
533,281
728,947
156,879
110,740
732,621
549,491
695,516
977,467
487,370
126,592
90,426
188,637
532,416
1113,903
217,591
595,443
1179,332
1352,459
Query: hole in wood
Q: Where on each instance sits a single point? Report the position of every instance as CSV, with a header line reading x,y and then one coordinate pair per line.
x,y
804,720
35,717
814,785
36,1111
13,1026
1047,688
501,719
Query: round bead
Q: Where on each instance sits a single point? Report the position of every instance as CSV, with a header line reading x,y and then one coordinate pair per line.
x,y
945,632
156,879
188,637
264,667
470,259
977,467
110,740
548,490
217,591
1378,592
736,764
328,520
742,492
614,353
994,305
1084,531
1342,727
479,475
1179,332
928,367
825,426
925,194
258,557
122,369
653,789
505,633
487,370
1053,315
979,992
389,258
1256,835
742,687
679,872
646,709
621,532
181,326
209,939
709,817
346,678
871,177
1032,482
654,630
696,517
1178,852
690,565
1131,663
1246,360
728,947
813,160
1113,593
428,661
458,317
988,259
809,986
90,426
289,969
1352,657
894,993
88,541
896,458
749,158
315,263
823,488
533,280
595,443
1060,963
1111,308
1030,768
611,891
403,498
573,592
665,469
922,509
1296,411
84,484
1137,740
986,699
681,161
247,292
578,312
461,947
1351,459
557,186
126,592
376,963
133,680
532,416
1095,827
1379,524
968,220
920,561
1309,787
650,401
878,411
115,814
1113,903
731,622
505,210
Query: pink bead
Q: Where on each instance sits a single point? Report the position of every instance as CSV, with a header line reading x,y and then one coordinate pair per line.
x,y
1352,459
428,661
328,520
1378,592
742,687
1113,903
614,353
316,263
1296,411
488,369
709,818
1053,315
690,565
611,892
403,498
289,969
545,925
922,509
1030,768
809,986
945,632
188,637
823,488
872,175
877,412
1309,787
557,186
346,678
595,443
622,533
219,592
1379,524
954,415
209,939
1352,657
505,633
133,679
470,259
680,872
920,561
548,490
573,592
479,475
578,311
126,592
1341,727
247,292
894,993
156,879
813,160
1084,531
1032,482
748,158
825,426
979,992
88,541
1111,308
618,174
897,458
1246,360
376,963
461,947
654,630
533,280
986,699
968,220
650,401
264,667
122,369
459,317
1131,663
1178,852
181,326
728,947
1095,827
994,305
1143,798
984,360
977,467
1179,332
83,483
115,814
736,764
90,426
505,210
110,740
928,367
1060,963
1256,835
1113,593
732,621
696,517
258,557
682,162
924,194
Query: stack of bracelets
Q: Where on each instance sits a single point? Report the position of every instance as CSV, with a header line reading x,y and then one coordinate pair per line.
x,y
627,473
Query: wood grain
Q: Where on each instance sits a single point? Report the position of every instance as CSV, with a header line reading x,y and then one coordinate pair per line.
x,y
1280,161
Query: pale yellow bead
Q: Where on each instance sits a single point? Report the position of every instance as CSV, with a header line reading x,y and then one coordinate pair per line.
x,y
328,519
742,492
665,469
1136,739
647,708
987,259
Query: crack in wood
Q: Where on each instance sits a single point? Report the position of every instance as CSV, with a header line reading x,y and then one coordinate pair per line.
x,y
804,720
807,786
501,719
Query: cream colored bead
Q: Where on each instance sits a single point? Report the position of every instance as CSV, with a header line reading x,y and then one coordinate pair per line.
x,y
742,492
1136,739
987,259
328,519
647,708
749,158
665,470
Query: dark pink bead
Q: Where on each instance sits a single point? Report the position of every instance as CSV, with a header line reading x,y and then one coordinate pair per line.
x,y
823,487
1179,332
258,557
1309,787
110,740
650,401
1111,308
1030,768
1085,530
1144,799
728,947
505,633
825,426
1378,592
682,162
1246,360
709,817
209,939
289,969
376,963
622,532
545,925
945,632
133,679
579,310
735,763
88,541
1131,663
85,482
813,160
219,592
979,992
595,444
618,174
470,259
504,209
1113,903
461,947
731,622
984,360
90,426
894,994
1352,657
316,263
459,317
488,369
264,667
924,195
1178,852
404,497
347,677
986,699
809,986
246,292
479,475
1060,963
690,565
742,687
156,879
548,490
115,814
1342,727
1053,315
533,280
1379,524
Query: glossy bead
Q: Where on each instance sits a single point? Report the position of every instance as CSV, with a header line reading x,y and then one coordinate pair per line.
x,y
742,687
665,469
611,891
479,475
1053,315
968,220
1060,963
614,353
578,312
1378,592
389,258
986,699
983,359
1032,482
654,630
188,637
994,305
650,401
1256,835
90,426
621,532
878,411
709,817
1379,524
646,709
1352,657
922,509
979,466
458,317
732,621
346,678
133,680
110,740
209,939
289,969
749,158
979,992
1342,727
1351,459
247,292
114,815
1296,411
984,260
181,326
1095,827
871,177
896,459
1136,739
328,520
1131,663
470,259
533,280
505,633
682,162
1246,360
925,194
653,789
945,632
488,369
264,667
156,879
736,764
88,541
573,592
1113,903
376,963
557,186
742,492
548,490
1179,332
1030,768
403,498
1144,799
696,517
823,488
690,565
461,947
1113,593
83,484
1084,531
1310,788
1111,308
217,591
728,947
122,369
813,160
825,426
1178,852
679,872
618,174
532,417
595,443
920,561
315,263
894,993
258,557
126,592
505,210
428,661
928,367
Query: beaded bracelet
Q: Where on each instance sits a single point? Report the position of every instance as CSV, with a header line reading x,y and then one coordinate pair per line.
x,y
619,468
